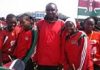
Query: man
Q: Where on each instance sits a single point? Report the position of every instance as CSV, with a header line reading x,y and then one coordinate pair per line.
x,y
9,39
94,36
26,41
48,48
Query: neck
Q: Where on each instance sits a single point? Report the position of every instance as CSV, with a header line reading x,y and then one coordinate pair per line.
x,y
74,32
50,20
88,32
71,34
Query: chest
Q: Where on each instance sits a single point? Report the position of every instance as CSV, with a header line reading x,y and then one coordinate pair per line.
x,y
25,37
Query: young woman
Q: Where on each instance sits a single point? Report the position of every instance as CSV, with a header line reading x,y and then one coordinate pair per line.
x,y
76,47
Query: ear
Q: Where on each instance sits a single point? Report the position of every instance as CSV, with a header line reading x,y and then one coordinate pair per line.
x,y
56,10
74,27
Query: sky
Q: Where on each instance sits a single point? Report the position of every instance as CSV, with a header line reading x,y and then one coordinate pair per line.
x,y
67,7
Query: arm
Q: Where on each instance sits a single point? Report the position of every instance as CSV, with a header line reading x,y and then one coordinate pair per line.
x,y
84,43
32,48
89,61
64,57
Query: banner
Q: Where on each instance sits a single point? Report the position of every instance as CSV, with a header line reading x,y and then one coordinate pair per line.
x,y
89,8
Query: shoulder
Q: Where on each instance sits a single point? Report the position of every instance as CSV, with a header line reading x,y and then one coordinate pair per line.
x,y
82,34
40,22
59,20
96,32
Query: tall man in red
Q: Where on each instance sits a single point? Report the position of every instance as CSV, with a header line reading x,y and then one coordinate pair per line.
x,y
48,45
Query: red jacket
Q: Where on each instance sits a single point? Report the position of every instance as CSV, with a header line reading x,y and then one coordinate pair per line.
x,y
23,44
48,45
9,43
73,47
2,35
95,41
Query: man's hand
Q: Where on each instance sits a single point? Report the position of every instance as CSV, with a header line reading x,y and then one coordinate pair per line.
x,y
96,60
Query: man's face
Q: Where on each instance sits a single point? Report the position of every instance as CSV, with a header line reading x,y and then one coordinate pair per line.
x,y
12,23
69,26
51,11
89,24
25,22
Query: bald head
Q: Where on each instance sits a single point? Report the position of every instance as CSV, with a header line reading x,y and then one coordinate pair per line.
x,y
51,10
51,5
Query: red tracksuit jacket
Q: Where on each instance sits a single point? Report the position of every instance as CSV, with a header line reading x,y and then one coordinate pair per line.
x,y
23,44
48,50
9,43
76,51
95,41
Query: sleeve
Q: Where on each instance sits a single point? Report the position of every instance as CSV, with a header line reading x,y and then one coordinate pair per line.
x,y
90,61
63,54
98,49
32,48
34,55
2,38
84,44
38,24
62,23
88,64
1,42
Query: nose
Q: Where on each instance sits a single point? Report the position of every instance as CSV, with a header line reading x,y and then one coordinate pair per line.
x,y
50,11
90,26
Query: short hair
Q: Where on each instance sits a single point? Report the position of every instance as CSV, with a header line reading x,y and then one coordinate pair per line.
x,y
10,16
51,4
24,15
90,18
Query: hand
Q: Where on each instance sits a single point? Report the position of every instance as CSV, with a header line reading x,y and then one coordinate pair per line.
x,y
71,68
60,67
96,60
35,65
1,64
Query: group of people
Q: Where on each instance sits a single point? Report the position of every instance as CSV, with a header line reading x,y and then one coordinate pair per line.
x,y
17,39
51,43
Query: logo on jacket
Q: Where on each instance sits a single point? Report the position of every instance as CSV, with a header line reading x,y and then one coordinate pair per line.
x,y
12,43
26,38
74,42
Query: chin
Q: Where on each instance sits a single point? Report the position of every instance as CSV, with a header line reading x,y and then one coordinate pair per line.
x,y
69,32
